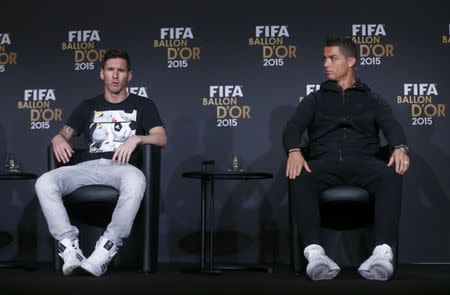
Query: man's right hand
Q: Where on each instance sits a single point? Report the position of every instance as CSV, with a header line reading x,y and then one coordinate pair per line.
x,y
62,149
295,164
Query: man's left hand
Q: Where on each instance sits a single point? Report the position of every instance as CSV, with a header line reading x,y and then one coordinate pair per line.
x,y
123,152
401,160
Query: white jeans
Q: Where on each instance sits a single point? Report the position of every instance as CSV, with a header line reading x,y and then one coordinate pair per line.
x,y
53,185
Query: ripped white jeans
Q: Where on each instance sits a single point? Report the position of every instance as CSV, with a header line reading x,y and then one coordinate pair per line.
x,y
52,186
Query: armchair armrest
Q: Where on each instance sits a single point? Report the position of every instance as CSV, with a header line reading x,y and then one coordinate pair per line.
x,y
52,163
151,166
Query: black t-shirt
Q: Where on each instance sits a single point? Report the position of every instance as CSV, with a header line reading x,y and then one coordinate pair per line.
x,y
106,125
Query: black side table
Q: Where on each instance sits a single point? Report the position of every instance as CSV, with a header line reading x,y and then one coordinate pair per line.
x,y
207,179
16,176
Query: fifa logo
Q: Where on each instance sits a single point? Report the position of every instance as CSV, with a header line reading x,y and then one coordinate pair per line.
x,y
271,31
368,30
141,91
225,91
310,88
39,94
176,33
420,89
4,39
84,36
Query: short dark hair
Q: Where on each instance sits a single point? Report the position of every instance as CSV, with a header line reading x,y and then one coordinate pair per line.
x,y
345,44
116,53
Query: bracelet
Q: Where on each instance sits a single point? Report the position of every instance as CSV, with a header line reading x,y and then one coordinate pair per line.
x,y
403,148
294,150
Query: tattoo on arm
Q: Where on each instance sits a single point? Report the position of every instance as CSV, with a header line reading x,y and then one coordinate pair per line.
x,y
67,132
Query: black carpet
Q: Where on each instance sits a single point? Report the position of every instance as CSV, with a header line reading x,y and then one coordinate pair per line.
x,y
409,279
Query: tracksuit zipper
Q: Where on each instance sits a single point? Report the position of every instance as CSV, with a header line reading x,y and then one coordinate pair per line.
x,y
343,102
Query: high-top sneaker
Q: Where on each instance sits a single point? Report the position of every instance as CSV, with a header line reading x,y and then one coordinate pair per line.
x,y
98,262
379,265
320,266
72,255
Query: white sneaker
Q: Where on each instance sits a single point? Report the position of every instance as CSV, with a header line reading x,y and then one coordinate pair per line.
x,y
72,255
98,262
379,265
320,266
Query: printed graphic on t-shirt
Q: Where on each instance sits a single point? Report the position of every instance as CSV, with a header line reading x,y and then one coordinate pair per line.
x,y
110,128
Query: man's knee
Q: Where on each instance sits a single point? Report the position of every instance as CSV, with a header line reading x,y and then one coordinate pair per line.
x,y
45,183
134,183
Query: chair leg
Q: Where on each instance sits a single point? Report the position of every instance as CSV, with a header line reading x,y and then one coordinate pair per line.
x,y
153,231
148,221
146,267
395,250
294,241
56,259
295,251
151,169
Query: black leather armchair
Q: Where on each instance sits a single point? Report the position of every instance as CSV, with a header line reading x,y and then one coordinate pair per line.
x,y
102,199
347,214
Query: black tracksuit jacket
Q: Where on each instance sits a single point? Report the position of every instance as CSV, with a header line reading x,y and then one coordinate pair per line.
x,y
342,123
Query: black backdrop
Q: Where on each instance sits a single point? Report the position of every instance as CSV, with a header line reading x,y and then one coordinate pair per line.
x,y
408,59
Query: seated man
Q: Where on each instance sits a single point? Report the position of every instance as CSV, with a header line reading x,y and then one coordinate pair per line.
x,y
114,124
343,120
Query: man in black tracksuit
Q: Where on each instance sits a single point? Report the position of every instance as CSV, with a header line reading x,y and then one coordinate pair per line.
x,y
343,120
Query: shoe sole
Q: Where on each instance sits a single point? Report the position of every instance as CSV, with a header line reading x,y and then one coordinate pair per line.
x,y
376,272
69,270
89,267
322,272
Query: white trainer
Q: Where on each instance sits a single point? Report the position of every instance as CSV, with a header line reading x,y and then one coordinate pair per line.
x,y
97,263
379,265
72,255
320,266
